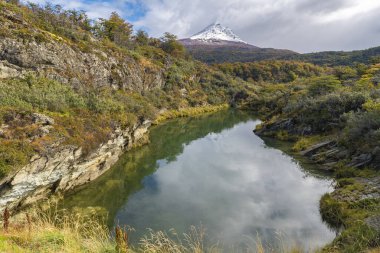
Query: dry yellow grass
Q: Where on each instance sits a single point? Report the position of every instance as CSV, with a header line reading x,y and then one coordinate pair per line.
x,y
192,111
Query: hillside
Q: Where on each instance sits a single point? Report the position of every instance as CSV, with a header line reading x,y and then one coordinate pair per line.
x,y
333,58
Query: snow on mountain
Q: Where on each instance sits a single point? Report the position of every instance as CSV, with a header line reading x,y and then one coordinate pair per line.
x,y
217,32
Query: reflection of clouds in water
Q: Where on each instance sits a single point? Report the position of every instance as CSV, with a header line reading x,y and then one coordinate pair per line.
x,y
235,187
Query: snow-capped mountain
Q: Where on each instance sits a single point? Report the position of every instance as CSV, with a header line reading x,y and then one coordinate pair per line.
x,y
217,32
217,44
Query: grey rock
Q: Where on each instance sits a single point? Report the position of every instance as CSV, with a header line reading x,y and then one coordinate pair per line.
x,y
360,160
3,130
77,68
328,166
42,119
374,222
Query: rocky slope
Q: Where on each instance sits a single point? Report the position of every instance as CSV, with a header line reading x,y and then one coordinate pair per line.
x,y
59,61
58,58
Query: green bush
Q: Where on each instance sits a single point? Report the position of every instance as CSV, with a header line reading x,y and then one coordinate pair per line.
x,y
13,154
39,94
363,129
332,211
323,85
345,172
324,113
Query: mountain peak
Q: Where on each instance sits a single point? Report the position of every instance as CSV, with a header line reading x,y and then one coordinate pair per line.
x,y
217,32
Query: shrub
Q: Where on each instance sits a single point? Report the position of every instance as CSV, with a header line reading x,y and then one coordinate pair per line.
x,y
362,128
345,172
323,85
38,94
371,106
305,142
331,211
324,113
13,154
344,181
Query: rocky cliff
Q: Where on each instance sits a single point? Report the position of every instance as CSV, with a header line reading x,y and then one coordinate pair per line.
x,y
66,168
59,61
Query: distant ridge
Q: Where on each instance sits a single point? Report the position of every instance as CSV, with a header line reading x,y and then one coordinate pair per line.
x,y
217,43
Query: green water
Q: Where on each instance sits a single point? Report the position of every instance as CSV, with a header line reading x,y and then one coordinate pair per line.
x,y
212,170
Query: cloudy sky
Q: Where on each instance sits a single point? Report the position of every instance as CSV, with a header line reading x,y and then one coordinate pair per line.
x,y
300,25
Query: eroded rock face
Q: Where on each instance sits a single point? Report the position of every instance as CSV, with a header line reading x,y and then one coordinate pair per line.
x,y
65,169
59,61
8,70
39,118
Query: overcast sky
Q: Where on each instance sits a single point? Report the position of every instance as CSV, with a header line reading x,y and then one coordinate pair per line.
x,y
300,25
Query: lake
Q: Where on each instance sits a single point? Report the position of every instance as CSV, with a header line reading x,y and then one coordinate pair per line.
x,y
212,172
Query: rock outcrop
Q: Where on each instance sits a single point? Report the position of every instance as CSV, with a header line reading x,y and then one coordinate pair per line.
x,y
65,169
59,61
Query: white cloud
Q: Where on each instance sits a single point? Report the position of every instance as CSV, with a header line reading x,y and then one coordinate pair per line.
x,y
361,7
300,25
94,9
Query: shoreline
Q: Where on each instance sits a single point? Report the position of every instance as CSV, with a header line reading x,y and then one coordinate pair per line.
x,y
66,169
352,208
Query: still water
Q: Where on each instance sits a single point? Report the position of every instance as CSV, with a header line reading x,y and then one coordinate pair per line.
x,y
213,172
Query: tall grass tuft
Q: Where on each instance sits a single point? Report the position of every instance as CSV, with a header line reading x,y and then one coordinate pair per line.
x,y
121,237
61,231
53,231
191,242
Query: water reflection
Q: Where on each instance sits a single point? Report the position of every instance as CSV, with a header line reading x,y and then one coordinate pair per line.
x,y
213,171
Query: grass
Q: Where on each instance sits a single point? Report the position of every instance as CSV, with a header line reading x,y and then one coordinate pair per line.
x,y
189,112
52,231
346,209
305,142
332,211
44,232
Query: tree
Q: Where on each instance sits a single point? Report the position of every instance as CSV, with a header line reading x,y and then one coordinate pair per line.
x,y
142,37
170,45
115,29
16,2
